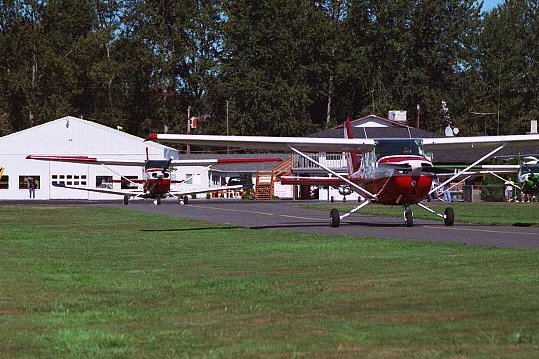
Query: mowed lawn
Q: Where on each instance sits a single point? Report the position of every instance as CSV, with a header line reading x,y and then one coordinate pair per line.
x,y
102,282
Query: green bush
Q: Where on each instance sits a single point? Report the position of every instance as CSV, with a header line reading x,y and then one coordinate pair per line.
x,y
492,189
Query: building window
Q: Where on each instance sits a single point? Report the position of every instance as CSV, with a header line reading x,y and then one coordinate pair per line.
x,y
103,182
61,179
4,182
24,181
127,184
188,179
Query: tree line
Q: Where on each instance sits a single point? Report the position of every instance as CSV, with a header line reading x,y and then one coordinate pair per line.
x,y
268,67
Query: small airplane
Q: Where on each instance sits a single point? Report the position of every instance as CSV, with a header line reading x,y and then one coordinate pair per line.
x,y
528,177
385,171
156,179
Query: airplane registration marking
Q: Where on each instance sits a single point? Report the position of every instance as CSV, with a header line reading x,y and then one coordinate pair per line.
x,y
256,212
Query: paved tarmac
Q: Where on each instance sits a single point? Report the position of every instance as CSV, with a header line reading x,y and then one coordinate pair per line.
x,y
291,216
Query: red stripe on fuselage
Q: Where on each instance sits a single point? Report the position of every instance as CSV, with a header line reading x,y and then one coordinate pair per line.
x,y
399,159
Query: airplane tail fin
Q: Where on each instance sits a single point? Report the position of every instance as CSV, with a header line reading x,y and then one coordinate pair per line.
x,y
352,156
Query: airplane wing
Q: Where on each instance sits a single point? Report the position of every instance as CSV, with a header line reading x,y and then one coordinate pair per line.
x,y
207,189
338,144
130,193
270,143
87,160
140,163
479,141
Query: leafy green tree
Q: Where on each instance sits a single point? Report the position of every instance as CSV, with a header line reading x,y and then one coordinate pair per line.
x,y
509,65
270,61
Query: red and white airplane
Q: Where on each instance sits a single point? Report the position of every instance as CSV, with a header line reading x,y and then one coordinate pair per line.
x,y
385,171
156,179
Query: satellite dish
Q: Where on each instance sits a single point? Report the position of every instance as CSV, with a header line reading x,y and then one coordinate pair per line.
x,y
448,131
456,131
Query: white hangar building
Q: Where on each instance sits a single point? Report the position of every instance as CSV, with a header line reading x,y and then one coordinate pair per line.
x,y
71,136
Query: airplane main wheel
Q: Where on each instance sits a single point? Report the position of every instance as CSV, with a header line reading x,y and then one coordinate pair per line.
x,y
334,218
126,200
185,199
449,216
408,218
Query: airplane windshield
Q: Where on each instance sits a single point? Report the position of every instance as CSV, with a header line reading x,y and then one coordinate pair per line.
x,y
155,164
391,147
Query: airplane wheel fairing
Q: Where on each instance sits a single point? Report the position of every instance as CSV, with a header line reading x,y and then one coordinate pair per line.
x,y
126,200
449,216
334,218
408,218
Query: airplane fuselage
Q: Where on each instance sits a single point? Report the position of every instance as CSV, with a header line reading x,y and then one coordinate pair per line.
x,y
395,179
156,183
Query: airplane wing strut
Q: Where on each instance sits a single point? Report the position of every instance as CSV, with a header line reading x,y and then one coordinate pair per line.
x,y
466,169
359,188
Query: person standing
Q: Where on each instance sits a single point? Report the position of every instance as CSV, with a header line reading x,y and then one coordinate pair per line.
x,y
447,194
508,190
32,187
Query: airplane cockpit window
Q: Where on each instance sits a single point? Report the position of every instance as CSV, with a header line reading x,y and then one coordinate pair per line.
x,y
392,147
530,168
155,164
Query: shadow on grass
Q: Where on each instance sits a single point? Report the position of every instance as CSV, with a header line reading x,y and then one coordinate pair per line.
x,y
189,229
343,224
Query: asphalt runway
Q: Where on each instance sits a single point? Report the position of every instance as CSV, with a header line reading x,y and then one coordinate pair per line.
x,y
291,216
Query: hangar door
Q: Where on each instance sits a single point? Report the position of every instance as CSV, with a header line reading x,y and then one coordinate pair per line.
x,y
72,174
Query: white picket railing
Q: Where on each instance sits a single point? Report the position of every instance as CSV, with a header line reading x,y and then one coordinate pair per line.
x,y
335,161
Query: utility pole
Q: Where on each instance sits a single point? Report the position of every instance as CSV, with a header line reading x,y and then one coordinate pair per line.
x,y
227,148
372,95
417,118
188,149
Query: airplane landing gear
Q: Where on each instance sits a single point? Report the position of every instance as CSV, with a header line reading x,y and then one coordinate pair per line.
x,y
157,201
126,200
408,216
185,200
334,218
449,216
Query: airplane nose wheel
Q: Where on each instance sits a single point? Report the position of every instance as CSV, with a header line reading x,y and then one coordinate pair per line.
x,y
126,200
408,217
334,218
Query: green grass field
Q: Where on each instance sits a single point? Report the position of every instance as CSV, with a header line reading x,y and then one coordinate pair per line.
x,y
492,213
114,283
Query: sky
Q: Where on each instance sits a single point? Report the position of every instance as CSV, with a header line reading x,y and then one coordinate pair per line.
x,y
489,4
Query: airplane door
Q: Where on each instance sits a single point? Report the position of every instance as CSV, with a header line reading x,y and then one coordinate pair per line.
x,y
73,174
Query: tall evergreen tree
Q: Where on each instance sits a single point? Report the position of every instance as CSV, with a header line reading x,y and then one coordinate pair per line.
x,y
271,50
509,66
